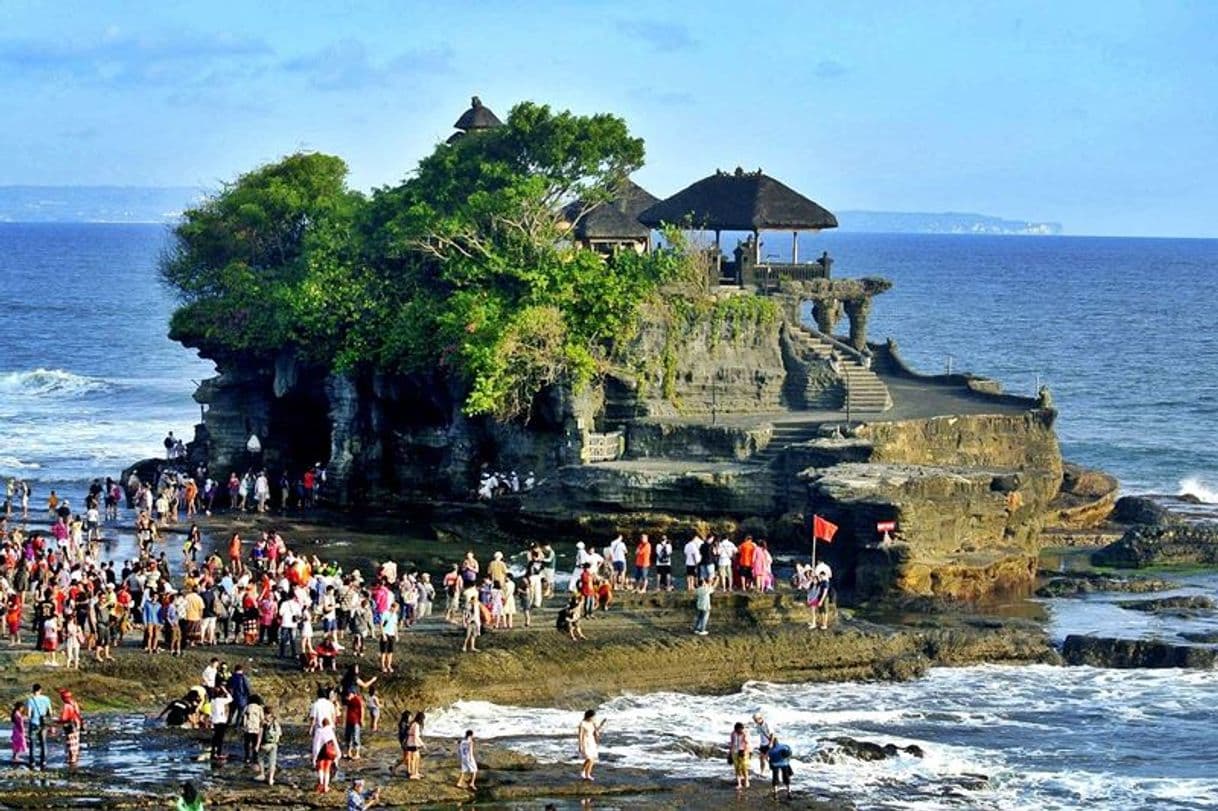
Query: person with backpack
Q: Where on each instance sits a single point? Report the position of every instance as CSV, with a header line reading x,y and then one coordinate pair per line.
x,y
38,720
268,746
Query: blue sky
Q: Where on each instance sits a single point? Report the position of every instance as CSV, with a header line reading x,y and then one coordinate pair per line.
x,y
1098,115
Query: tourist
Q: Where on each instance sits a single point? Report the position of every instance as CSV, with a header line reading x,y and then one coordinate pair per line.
x,y
587,590
325,753
497,570
725,553
748,552
252,721
374,707
568,621
779,756
702,607
589,739
322,709
693,556
358,799
72,723
819,596
617,556
353,717
190,800
72,639
549,561
765,734
738,751
508,607
17,740
38,719
389,635
268,749
221,704
469,763
452,594
642,562
663,560
763,567
471,618
526,592
403,731
415,746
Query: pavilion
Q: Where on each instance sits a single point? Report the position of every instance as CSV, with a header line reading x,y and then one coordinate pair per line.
x,y
614,224
477,117
746,201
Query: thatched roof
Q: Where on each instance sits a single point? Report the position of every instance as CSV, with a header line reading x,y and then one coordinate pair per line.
x,y
616,218
477,117
739,201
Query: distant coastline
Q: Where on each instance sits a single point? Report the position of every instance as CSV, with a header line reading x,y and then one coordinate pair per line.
x,y
163,204
951,222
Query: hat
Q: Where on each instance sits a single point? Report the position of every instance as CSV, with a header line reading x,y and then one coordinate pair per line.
x,y
579,545
498,556
758,715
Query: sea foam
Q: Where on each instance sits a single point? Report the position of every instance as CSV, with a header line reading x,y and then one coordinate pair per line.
x,y
47,382
1195,486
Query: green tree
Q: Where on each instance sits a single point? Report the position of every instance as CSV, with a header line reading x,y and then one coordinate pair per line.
x,y
268,261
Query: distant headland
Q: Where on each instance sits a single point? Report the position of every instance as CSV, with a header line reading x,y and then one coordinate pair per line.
x,y
165,204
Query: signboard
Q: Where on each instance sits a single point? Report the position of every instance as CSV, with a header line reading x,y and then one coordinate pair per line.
x,y
885,526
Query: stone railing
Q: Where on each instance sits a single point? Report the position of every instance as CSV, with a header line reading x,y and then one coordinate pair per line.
x,y
603,447
769,276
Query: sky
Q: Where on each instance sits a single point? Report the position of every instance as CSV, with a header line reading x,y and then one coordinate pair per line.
x,y
1098,115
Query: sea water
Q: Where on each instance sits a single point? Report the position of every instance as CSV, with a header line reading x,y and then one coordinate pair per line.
x,y
1120,329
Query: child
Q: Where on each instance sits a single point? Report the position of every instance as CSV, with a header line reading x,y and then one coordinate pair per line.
x,y
374,708
469,764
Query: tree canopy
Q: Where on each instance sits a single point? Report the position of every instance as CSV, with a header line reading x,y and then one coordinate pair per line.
x,y
464,267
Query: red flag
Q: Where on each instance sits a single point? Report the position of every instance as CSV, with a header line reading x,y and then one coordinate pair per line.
x,y
822,529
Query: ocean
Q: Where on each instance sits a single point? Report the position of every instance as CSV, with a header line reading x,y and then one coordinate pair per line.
x,y
1119,329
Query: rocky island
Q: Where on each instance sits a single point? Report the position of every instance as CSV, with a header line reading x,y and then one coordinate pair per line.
x,y
496,313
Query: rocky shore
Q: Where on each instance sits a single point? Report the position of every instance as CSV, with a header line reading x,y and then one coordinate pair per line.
x,y
643,645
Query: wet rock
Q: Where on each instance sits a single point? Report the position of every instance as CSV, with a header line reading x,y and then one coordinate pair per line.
x,y
1204,637
1074,585
1135,653
1141,510
1168,604
1161,545
854,749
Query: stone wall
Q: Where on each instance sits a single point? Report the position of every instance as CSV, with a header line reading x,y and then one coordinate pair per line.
x,y
652,439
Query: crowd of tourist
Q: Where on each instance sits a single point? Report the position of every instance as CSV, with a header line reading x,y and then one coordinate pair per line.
x,y
259,591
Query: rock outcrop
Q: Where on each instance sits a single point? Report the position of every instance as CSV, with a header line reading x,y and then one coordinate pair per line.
x,y
1076,585
1135,653
1162,545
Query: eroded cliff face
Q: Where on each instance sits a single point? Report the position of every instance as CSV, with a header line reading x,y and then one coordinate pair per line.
x,y
969,495
384,439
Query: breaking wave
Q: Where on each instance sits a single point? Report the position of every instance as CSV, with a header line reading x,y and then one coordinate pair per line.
x,y
1194,486
48,382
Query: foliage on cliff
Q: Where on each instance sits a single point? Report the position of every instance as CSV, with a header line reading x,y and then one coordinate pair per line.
x,y
464,267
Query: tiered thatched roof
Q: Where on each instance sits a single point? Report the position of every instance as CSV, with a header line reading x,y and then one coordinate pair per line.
x,y
615,219
477,117
739,201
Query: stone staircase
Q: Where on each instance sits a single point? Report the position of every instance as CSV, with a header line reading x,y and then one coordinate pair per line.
x,y
864,389
785,434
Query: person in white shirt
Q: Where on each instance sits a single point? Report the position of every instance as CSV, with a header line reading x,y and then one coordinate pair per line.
x,y
726,551
322,708
617,554
209,674
289,617
693,554
221,701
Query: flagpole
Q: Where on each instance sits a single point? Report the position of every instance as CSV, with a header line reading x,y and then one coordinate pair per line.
x,y
814,517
